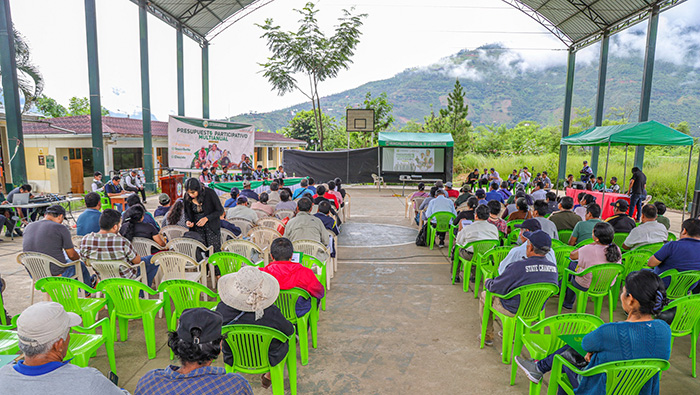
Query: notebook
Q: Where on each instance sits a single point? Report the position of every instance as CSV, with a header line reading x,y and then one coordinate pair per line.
x,y
574,341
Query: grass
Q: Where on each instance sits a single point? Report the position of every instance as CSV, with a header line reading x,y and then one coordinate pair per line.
x,y
666,175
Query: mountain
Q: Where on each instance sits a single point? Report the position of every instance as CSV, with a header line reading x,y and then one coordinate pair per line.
x,y
501,87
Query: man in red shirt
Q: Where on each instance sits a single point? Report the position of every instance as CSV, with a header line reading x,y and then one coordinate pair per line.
x,y
451,193
322,194
292,275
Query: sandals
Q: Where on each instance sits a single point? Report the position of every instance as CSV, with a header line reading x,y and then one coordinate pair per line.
x,y
266,382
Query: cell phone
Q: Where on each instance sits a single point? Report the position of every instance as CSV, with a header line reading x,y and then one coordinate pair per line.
x,y
466,222
296,257
114,378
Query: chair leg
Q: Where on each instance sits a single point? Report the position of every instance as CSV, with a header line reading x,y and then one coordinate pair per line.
x,y
477,278
313,323
292,367
694,351
507,347
109,347
484,322
611,304
431,237
277,377
149,332
123,329
303,331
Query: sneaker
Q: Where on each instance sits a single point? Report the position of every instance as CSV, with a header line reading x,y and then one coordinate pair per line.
x,y
442,245
487,342
530,368
18,232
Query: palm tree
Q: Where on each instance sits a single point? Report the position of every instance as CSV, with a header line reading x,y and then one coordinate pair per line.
x,y
29,79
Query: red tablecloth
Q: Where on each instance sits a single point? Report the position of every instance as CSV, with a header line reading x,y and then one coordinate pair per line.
x,y
610,197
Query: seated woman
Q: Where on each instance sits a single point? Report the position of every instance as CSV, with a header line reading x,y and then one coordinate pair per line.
x,y
133,226
176,215
468,214
419,193
262,204
639,337
134,200
523,210
286,203
600,252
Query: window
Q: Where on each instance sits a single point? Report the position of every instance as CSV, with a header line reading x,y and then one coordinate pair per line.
x,y
127,158
88,163
162,156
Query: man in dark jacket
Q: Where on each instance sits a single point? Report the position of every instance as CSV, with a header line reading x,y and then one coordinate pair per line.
x,y
536,268
621,222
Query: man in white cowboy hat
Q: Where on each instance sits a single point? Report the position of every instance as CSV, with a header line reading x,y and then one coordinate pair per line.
x,y
248,297
44,334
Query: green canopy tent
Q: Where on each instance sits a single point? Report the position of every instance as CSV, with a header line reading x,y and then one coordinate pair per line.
x,y
426,154
637,134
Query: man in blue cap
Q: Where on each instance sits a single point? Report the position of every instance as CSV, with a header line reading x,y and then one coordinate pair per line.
x,y
536,268
231,202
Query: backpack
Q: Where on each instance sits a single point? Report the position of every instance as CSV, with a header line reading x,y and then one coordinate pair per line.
x,y
422,238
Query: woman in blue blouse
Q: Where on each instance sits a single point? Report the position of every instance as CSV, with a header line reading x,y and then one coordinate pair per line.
x,y
639,337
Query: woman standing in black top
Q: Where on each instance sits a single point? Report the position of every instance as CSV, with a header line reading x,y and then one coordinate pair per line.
x,y
202,212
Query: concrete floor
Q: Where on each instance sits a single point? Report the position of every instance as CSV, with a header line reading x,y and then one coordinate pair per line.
x,y
394,323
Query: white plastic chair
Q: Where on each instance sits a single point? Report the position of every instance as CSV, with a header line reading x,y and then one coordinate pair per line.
x,y
378,180
244,224
39,266
244,248
318,251
143,246
270,222
173,265
227,235
282,214
346,211
263,237
189,247
76,241
261,213
172,232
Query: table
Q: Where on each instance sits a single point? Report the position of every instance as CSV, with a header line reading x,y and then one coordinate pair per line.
x,y
406,178
33,207
607,209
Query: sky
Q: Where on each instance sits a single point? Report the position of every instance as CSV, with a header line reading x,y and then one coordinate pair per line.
x,y
397,34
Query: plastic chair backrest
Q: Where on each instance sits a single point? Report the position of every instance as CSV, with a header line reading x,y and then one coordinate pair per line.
x,y
564,324
261,213
309,261
562,254
672,237
187,247
270,222
250,344
143,246
124,294
244,248
63,291
38,264
282,214
653,247
443,219
185,294
680,282
287,302
603,277
627,377
635,260
173,232
585,242
226,235
229,262
244,224
76,241
481,246
172,264
494,256
263,236
514,222
557,243
687,314
620,238
532,299
313,248
513,236
106,269
565,235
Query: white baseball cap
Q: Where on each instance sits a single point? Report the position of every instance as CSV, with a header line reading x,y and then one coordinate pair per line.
x,y
44,322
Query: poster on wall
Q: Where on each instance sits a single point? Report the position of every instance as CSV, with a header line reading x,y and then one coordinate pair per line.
x,y
195,143
415,160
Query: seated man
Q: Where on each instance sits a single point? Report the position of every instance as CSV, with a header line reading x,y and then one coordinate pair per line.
x,y
536,268
165,203
539,193
44,334
273,196
293,275
303,187
197,343
285,202
438,205
247,192
493,194
565,219
539,210
520,252
682,255
312,186
426,202
546,180
481,195
231,202
109,245
323,194
305,226
480,229
494,216
648,232
324,214
132,183
505,192
614,186
332,190
229,226
248,297
113,188
49,236
258,173
620,221
241,210
280,173
660,211
552,203
465,193
451,193
89,220
21,213
584,229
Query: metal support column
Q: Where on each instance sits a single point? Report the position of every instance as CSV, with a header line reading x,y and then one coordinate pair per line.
x,y
600,98
647,78
13,111
205,80
98,156
180,75
146,99
566,122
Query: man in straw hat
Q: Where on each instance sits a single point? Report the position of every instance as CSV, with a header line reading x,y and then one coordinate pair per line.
x,y
248,297
44,334
197,343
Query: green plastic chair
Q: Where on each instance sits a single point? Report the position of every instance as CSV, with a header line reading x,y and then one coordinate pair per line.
x,y
502,238
64,291
125,304
8,338
622,377
443,219
479,247
562,254
513,237
565,235
680,282
287,301
511,224
557,243
312,263
84,343
104,201
633,261
620,238
532,300
487,266
686,322
672,237
3,320
229,262
601,286
540,344
585,242
250,344
184,294
653,247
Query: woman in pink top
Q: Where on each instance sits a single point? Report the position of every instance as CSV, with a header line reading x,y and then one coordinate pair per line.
x,y
262,204
601,251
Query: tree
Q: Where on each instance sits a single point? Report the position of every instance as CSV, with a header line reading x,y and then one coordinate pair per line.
x,y
81,106
50,107
309,52
303,127
30,82
456,110
453,119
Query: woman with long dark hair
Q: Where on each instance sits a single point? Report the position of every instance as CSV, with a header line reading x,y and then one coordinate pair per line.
x,y
176,214
133,226
640,336
202,212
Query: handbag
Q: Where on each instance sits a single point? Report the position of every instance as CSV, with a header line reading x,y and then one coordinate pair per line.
x,y
575,358
422,238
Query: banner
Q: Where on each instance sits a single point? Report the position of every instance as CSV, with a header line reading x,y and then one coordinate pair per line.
x,y
414,160
195,143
